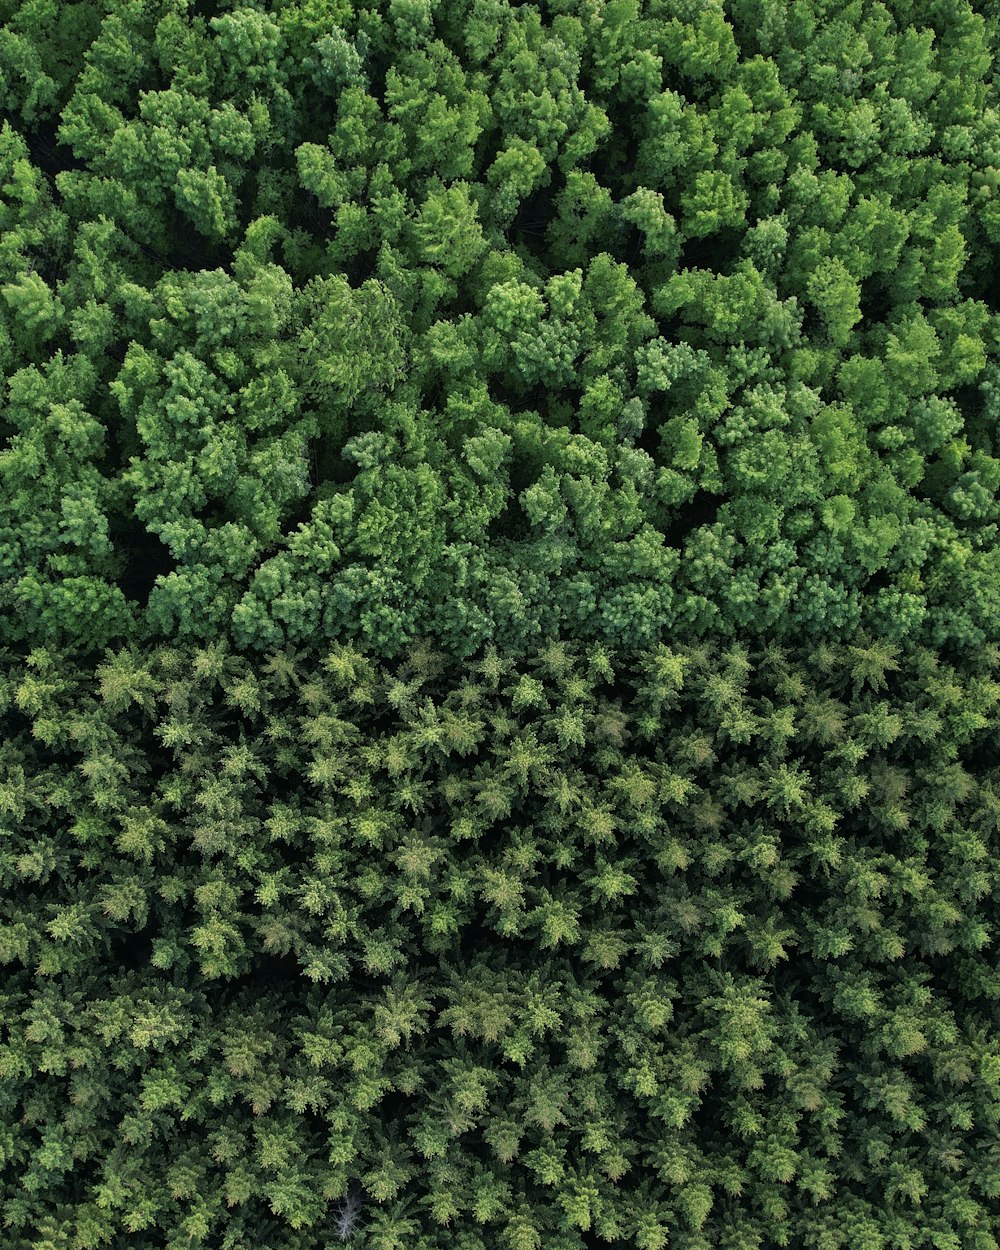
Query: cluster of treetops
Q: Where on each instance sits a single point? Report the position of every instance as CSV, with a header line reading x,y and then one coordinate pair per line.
x,y
499,624
698,951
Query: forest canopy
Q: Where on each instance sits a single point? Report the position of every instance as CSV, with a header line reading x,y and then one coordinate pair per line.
x,y
499,624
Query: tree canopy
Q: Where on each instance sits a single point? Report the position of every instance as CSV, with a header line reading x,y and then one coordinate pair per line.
x,y
499,624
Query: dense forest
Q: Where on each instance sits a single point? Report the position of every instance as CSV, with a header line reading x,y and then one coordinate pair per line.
x,y
500,624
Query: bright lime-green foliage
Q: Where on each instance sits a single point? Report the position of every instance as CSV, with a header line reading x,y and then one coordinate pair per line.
x,y
714,284
499,624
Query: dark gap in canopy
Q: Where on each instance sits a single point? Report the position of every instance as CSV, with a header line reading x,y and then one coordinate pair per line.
x,y
685,518
44,148
146,559
716,252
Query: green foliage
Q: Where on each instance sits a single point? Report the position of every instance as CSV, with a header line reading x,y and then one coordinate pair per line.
x,y
277,914
499,617
797,255
351,343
